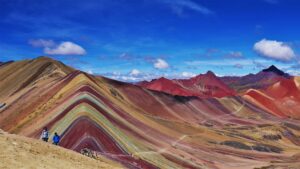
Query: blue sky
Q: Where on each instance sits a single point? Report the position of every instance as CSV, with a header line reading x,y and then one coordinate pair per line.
x,y
132,40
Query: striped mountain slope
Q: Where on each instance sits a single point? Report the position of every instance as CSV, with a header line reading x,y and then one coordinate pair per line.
x,y
140,128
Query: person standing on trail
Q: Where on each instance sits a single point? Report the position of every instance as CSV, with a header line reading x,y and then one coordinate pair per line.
x,y
45,135
56,139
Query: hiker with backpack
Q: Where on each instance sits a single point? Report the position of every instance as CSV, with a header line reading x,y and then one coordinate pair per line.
x,y
45,135
56,139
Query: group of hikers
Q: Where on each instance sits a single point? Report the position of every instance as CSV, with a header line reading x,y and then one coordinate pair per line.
x,y
45,136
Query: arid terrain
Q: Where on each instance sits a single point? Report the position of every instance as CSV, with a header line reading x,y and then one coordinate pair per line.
x,y
20,152
206,122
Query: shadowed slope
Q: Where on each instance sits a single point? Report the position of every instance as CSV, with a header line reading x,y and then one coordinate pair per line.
x,y
261,80
275,70
20,75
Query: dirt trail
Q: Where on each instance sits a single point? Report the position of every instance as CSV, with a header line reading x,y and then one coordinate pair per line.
x,y
25,153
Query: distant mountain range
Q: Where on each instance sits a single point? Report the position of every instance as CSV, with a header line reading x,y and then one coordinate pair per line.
x,y
209,85
261,80
202,122
271,88
203,85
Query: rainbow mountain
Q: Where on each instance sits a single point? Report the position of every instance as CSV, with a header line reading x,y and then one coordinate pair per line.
x,y
253,126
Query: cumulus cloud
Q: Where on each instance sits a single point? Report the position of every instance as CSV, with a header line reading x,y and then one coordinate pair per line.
x,y
134,76
90,72
274,49
188,74
41,43
52,48
161,64
65,48
135,72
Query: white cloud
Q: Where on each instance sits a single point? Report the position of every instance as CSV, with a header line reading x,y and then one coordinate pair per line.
x,y
293,72
161,64
52,48
41,43
188,74
133,76
65,48
129,77
90,72
274,50
134,72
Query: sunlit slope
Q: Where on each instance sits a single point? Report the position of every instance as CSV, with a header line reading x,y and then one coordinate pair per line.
x,y
139,128
203,86
20,152
281,99
16,76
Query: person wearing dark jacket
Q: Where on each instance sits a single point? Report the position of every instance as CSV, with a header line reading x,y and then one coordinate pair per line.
x,y
56,139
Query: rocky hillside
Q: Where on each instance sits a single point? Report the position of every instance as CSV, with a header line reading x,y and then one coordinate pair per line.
x,y
20,152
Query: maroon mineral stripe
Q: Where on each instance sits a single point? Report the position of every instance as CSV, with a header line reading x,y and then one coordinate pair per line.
x,y
220,107
100,110
83,127
123,114
254,108
120,113
50,93
179,162
71,76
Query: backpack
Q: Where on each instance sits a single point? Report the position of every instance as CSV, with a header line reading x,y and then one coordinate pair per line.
x,y
45,134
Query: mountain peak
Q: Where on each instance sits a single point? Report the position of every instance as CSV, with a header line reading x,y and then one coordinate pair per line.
x,y
275,70
207,74
272,68
45,58
162,78
210,73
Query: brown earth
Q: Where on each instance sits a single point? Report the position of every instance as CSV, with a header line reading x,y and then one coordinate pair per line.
x,y
20,152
